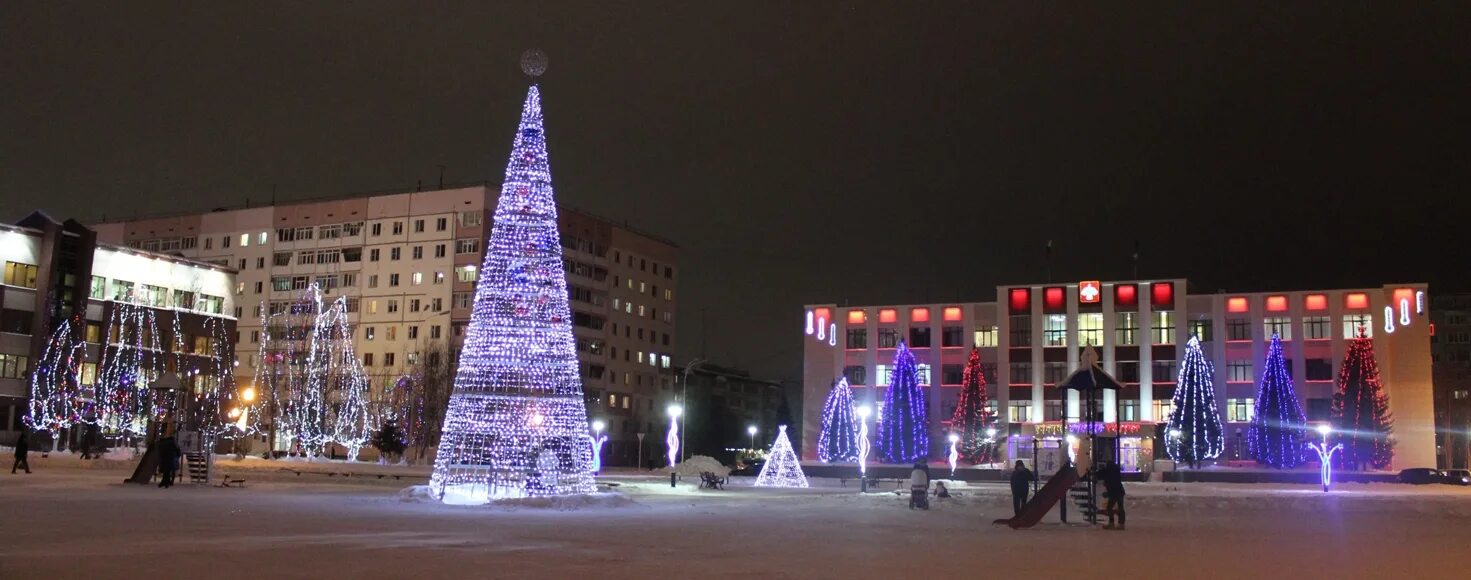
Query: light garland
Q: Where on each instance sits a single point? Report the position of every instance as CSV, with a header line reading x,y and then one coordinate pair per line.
x,y
56,397
1276,428
838,439
1195,409
1325,457
904,433
517,421
863,445
782,468
1361,408
131,361
971,420
671,439
954,453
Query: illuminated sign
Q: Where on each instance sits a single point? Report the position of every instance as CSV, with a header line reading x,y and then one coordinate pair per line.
x,y
1089,291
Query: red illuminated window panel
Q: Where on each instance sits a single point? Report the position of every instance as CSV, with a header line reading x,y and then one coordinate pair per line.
x,y
824,314
1053,298
1404,294
919,315
1315,302
1163,294
1125,295
1237,304
888,315
1277,303
952,314
857,317
1020,299
1356,301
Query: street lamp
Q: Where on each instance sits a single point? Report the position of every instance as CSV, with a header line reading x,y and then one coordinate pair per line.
x,y
954,454
672,439
990,445
1325,456
598,439
751,430
863,412
685,395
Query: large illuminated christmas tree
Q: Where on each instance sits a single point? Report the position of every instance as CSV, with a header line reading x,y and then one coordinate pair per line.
x,y
1361,417
838,440
1195,414
517,423
904,427
1275,437
971,420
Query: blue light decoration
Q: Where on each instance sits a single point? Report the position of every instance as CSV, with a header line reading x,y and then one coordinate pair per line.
x,y
598,439
810,319
1325,457
1276,429
1195,414
832,334
782,468
904,427
517,421
838,439
864,447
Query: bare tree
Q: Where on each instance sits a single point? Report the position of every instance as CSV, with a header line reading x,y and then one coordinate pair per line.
x,y
432,381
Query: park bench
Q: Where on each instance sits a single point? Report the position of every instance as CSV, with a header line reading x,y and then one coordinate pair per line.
x,y
711,481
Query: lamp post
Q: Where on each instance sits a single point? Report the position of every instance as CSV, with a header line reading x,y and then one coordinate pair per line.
x,y
954,454
684,397
751,430
863,412
671,440
598,439
1325,456
991,445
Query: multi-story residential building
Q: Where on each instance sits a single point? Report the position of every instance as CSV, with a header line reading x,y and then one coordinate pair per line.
x,y
1032,339
1450,347
407,262
55,271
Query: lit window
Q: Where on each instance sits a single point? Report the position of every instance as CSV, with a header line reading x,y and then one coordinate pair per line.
x,y
260,240
884,374
1163,329
244,240
986,337
1238,371
1353,322
1280,325
1316,328
1240,410
1054,330
1126,329
418,278
466,273
1090,329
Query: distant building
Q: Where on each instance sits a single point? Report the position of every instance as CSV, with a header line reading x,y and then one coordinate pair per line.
x,y
57,270
407,263
1031,338
1450,348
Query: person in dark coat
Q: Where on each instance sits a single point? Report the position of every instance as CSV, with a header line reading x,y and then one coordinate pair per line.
x,y
1112,477
22,448
1021,478
168,460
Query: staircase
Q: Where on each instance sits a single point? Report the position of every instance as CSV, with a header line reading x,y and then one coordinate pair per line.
x,y
198,467
1083,496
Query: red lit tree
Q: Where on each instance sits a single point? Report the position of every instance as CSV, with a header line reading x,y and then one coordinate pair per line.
x,y
971,419
1361,409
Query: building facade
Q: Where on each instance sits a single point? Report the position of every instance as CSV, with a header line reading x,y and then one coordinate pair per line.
x,y
1450,347
407,263
1032,338
55,271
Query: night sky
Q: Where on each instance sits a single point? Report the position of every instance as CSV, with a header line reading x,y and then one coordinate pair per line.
x,y
830,152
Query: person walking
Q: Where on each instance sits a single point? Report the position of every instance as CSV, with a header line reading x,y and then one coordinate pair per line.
x,y
1021,477
1113,485
168,460
22,448
919,486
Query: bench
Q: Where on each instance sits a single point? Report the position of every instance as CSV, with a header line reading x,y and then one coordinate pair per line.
x,y
873,481
711,481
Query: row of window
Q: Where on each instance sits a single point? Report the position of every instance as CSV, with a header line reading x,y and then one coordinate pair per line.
x,y
1237,371
1126,330
155,296
643,265
628,307
19,274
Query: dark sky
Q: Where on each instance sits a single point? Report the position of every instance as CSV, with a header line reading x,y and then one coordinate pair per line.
x,y
860,151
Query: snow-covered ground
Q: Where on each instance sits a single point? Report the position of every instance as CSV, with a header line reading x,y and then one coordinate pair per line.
x,y
66,521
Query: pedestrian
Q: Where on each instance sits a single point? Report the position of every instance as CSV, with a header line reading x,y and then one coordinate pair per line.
x,y
168,460
22,448
1113,489
1021,478
940,490
919,486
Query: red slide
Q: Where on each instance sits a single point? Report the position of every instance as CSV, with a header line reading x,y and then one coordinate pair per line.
x,y
1056,489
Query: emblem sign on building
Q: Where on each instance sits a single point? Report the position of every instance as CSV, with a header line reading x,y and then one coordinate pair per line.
x,y
1089,291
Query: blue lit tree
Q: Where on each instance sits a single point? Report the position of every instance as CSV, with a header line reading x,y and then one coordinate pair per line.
x,y
1275,437
838,440
517,422
903,432
1195,414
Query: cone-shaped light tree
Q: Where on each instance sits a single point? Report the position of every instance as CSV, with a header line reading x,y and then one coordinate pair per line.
x,y
971,419
782,468
1361,418
904,427
1195,414
517,423
1276,435
838,440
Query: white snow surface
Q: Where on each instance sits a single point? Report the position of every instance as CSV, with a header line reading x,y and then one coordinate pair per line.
x,y
318,526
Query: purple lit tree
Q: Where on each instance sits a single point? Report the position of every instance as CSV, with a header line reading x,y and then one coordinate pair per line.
x,y
904,427
516,425
838,440
1275,437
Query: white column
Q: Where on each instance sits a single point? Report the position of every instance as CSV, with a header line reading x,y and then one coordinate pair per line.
x,y
1106,352
1038,412
1146,353
1074,344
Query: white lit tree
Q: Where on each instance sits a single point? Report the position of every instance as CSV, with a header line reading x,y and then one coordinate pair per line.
x,y
55,383
782,468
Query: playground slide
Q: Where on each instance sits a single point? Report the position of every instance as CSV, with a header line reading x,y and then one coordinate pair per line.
x,y
1056,489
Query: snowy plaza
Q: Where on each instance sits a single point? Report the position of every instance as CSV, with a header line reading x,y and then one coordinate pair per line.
x,y
75,522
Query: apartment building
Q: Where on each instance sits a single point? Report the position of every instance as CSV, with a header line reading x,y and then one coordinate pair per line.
x,y
55,271
1450,346
406,264
1033,337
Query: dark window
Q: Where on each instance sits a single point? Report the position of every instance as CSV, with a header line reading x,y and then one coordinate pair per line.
x,y
1318,369
1319,409
1201,329
951,374
857,338
1021,331
919,337
1238,329
857,374
888,338
952,336
1021,373
1128,371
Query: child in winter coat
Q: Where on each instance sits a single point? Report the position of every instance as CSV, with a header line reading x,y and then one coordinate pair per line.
x,y
919,486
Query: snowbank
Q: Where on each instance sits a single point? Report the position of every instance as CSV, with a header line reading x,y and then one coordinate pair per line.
x,y
601,499
698,464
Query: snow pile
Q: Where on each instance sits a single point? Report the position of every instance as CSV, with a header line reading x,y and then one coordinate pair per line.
x,y
698,464
602,499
